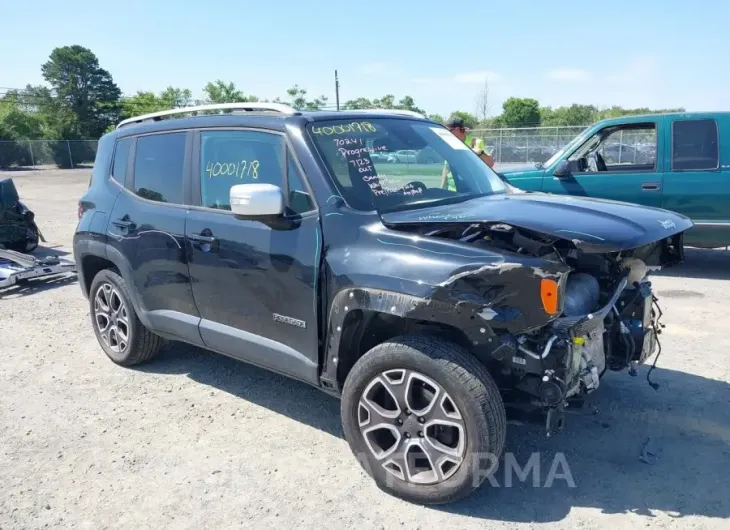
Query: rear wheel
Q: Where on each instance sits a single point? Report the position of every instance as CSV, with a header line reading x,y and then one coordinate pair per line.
x,y
424,418
121,335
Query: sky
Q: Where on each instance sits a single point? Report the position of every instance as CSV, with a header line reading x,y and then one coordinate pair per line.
x,y
638,53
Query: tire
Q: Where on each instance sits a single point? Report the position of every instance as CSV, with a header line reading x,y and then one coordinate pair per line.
x,y
467,397
109,301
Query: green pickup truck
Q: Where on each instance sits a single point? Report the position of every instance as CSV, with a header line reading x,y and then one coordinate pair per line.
x,y
679,161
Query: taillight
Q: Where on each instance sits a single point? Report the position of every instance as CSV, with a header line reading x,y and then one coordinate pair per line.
x,y
80,210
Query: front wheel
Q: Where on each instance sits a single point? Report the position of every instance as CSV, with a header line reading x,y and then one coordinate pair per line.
x,y
424,418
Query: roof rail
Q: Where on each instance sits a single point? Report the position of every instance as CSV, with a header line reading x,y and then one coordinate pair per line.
x,y
248,106
391,111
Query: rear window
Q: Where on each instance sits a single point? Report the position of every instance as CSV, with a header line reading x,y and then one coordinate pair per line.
x,y
695,145
121,155
158,167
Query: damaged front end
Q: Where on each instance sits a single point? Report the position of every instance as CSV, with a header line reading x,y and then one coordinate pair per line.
x,y
548,353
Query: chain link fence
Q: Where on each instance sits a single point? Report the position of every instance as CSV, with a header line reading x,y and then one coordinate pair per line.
x,y
40,154
508,146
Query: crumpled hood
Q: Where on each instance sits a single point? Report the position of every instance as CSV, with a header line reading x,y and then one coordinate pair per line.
x,y
594,225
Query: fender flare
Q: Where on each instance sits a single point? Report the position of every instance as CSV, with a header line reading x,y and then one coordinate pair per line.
x,y
464,317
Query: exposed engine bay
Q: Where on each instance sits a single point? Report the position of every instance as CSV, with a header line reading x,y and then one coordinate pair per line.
x,y
608,317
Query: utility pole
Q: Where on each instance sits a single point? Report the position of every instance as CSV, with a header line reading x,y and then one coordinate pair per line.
x,y
337,91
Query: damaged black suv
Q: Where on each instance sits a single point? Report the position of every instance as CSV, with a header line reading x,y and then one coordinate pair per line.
x,y
422,290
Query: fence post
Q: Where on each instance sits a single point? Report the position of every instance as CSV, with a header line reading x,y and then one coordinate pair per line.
x,y
32,159
70,158
500,146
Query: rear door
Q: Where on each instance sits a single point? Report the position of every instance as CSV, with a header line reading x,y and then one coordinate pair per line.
x,y
147,232
619,162
254,282
696,184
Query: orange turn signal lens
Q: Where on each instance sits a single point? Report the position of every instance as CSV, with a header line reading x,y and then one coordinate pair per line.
x,y
549,295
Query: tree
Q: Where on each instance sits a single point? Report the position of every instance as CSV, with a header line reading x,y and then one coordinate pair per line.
x,y
470,121
568,116
386,102
437,118
520,112
300,102
85,88
175,98
220,92
482,102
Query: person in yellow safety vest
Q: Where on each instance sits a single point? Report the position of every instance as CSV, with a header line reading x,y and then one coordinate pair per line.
x,y
458,129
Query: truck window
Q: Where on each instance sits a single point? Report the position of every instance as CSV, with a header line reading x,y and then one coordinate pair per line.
x,y
618,149
695,145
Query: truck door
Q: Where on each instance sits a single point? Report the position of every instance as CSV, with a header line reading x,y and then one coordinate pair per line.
x,y
254,281
695,183
622,162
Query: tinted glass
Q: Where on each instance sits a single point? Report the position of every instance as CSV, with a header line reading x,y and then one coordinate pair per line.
x,y
299,199
694,145
390,164
121,155
158,167
228,158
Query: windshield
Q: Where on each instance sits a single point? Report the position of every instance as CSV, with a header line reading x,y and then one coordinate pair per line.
x,y
392,164
550,161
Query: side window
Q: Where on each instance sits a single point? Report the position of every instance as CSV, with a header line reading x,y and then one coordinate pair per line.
x,y
694,145
158,167
616,149
635,146
299,199
121,155
228,158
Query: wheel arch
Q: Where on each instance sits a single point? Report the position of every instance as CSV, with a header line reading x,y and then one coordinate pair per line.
x,y
100,257
361,318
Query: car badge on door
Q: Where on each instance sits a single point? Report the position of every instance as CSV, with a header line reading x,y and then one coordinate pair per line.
x,y
667,224
289,320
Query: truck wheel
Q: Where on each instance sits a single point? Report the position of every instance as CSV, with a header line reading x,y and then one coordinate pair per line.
x,y
121,335
424,418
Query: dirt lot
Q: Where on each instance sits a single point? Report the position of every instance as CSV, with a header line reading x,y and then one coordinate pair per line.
x,y
196,440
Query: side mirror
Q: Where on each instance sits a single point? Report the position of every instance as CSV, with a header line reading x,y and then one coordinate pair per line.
x,y
563,169
257,200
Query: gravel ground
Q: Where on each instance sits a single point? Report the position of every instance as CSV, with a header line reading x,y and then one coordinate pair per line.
x,y
197,440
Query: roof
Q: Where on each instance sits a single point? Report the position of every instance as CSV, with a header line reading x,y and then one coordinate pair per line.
x,y
271,116
651,117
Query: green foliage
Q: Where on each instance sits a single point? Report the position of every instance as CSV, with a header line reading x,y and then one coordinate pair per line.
x,y
520,112
298,99
84,87
386,102
437,118
220,92
470,121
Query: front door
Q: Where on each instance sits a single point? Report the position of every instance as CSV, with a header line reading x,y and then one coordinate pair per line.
x,y
623,163
254,282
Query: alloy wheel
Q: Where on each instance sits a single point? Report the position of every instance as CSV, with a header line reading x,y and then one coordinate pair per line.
x,y
412,426
111,317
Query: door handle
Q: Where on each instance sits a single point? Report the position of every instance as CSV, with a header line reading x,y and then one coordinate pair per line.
x,y
650,186
124,223
202,238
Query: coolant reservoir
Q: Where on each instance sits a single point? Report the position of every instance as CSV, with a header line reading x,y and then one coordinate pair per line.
x,y
636,267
